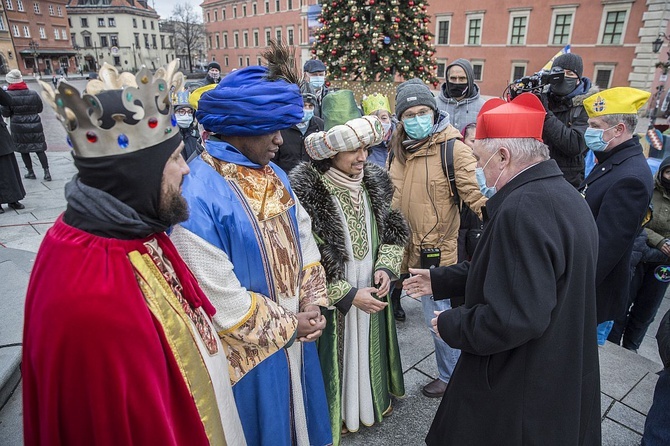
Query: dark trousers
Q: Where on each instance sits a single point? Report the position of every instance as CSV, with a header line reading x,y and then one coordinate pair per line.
x,y
657,425
42,156
646,295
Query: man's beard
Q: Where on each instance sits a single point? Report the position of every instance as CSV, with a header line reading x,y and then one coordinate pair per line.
x,y
172,208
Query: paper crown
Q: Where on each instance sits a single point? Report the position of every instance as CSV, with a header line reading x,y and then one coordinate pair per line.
x,y
615,101
349,137
118,113
375,102
523,117
338,107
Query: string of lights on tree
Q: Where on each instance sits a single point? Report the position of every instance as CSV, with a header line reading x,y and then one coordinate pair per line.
x,y
375,40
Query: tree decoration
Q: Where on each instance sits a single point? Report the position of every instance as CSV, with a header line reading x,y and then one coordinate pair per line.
x,y
376,40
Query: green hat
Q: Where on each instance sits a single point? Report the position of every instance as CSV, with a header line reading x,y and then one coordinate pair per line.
x,y
338,107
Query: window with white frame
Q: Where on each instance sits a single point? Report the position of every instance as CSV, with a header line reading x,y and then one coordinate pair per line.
x,y
244,10
603,76
19,5
561,26
234,12
9,5
216,15
208,17
613,24
247,60
56,34
277,5
225,61
268,36
239,61
15,31
104,42
217,39
111,21
245,39
267,6
26,31
473,30
289,36
51,9
289,4
256,37
478,70
442,28
59,11
518,70
2,24
101,22
254,8
258,61
43,33
63,34
36,7
236,39
518,27
441,68
278,34
225,40
223,13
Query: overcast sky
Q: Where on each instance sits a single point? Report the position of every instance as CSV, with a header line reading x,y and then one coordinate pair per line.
x,y
165,7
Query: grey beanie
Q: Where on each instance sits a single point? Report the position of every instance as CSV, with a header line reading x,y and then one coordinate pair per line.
x,y
411,93
14,77
569,61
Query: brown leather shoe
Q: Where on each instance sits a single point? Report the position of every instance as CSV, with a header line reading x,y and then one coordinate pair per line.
x,y
434,389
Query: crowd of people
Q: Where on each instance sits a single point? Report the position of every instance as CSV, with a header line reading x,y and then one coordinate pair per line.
x,y
238,254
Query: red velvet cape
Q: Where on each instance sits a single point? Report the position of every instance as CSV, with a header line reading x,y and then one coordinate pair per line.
x,y
97,368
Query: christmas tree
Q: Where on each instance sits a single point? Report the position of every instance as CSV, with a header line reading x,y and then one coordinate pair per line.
x,y
375,40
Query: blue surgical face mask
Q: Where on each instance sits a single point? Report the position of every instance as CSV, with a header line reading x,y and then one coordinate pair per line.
x,y
317,81
594,139
184,121
486,191
419,127
307,114
386,126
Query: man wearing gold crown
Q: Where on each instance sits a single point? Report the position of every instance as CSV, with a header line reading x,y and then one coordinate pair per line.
x,y
362,243
618,190
119,346
249,243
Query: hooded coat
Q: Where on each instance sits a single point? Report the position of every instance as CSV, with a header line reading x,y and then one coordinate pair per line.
x,y
658,228
25,123
465,111
564,127
423,194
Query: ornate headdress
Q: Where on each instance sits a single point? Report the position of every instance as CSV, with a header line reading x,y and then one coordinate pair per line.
x,y
118,113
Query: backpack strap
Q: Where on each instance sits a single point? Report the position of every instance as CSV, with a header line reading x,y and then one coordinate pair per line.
x,y
447,156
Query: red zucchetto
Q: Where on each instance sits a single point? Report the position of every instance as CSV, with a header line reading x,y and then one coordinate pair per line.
x,y
523,117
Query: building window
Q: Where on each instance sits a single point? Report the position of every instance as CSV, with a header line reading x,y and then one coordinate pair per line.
x,y
19,5
87,41
216,38
603,76
518,71
268,36
441,68
51,9
562,24
59,11
56,34
234,12
208,19
474,30
225,61
134,23
223,13
254,9
103,42
43,33
518,25
614,27
152,24
244,10
36,7
442,31
236,40
289,34
258,61
278,34
2,24
117,61
247,61
478,70
111,22
245,39
146,41
267,6
101,22
15,30
216,15
255,37
63,34
114,40
84,22
162,42
289,4
137,40
209,39
26,31
225,40
277,6
153,41
144,24
239,62
10,6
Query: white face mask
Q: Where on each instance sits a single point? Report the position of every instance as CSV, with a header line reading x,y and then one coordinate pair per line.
x,y
184,121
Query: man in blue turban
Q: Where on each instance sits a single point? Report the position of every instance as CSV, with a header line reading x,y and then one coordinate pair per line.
x,y
249,243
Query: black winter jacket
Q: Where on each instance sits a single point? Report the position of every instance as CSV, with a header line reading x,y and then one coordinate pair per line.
x,y
292,151
25,123
564,127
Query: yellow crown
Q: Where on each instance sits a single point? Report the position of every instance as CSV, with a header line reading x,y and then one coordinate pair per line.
x,y
374,102
118,113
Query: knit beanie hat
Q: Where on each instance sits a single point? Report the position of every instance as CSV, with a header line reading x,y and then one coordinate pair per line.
x,y
569,61
411,93
14,77
214,65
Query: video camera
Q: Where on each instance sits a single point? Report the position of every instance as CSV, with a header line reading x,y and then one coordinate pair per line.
x,y
536,82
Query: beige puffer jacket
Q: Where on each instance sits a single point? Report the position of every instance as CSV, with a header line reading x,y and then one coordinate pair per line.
x,y
420,187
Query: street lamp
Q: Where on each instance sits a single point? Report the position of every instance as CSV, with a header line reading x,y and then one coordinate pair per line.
x,y
34,46
77,48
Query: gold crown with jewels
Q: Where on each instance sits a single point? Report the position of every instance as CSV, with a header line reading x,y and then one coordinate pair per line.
x,y
118,113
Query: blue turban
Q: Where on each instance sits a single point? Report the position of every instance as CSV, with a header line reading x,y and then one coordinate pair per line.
x,y
246,103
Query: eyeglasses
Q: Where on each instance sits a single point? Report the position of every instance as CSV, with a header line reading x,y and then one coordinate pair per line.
x,y
422,112
184,111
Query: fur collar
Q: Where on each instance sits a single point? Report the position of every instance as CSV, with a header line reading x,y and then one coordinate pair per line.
x,y
308,186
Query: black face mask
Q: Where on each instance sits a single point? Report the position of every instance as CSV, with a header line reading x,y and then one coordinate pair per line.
x,y
457,90
665,183
565,87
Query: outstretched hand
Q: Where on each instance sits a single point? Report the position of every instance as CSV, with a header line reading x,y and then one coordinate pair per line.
x,y
418,284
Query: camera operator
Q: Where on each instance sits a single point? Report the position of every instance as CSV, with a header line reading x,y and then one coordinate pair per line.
x,y
566,119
